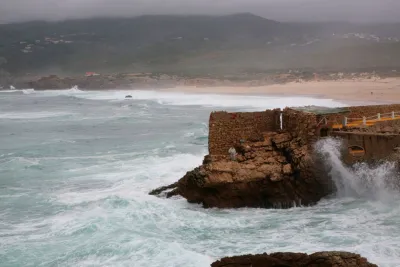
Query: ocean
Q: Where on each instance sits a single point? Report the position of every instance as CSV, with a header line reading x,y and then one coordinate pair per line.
x,y
76,168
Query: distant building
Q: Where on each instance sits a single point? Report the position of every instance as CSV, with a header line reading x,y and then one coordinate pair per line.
x,y
90,74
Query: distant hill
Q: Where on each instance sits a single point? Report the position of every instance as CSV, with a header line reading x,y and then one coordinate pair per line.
x,y
193,44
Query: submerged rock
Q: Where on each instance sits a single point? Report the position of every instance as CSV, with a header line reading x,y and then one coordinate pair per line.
x,y
162,189
277,172
288,259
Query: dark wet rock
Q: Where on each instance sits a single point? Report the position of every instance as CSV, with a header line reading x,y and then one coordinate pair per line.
x,y
288,259
162,189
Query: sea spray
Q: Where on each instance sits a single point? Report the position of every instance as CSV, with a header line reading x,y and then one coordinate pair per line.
x,y
379,182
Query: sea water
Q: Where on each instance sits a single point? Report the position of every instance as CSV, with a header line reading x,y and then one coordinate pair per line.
x,y
76,168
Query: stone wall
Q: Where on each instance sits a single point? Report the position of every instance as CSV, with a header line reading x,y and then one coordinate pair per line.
x,y
300,125
376,146
227,129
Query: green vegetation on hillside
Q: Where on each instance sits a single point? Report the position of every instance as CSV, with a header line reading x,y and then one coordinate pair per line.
x,y
190,45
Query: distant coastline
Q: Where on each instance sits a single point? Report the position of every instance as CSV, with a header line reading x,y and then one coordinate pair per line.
x,y
359,87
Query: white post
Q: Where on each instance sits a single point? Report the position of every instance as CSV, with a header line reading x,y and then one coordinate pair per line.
x,y
393,115
364,121
379,116
344,121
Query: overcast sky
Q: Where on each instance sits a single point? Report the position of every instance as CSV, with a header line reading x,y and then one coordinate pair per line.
x,y
283,10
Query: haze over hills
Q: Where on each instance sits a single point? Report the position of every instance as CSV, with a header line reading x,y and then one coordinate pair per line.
x,y
191,45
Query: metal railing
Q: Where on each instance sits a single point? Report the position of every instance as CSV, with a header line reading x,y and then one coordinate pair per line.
x,y
366,121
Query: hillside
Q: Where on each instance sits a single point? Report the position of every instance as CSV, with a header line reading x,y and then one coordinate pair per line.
x,y
193,45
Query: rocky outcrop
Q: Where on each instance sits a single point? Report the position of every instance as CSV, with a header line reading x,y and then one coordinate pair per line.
x,y
95,82
320,259
277,172
51,82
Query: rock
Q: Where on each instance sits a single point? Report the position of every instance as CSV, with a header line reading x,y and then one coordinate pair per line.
x,y
163,189
276,177
281,138
51,82
269,179
288,259
240,158
287,169
128,96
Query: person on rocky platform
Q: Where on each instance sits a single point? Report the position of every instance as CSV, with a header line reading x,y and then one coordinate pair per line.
x,y
232,153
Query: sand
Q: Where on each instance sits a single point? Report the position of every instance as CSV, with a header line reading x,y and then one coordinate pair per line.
x,y
368,90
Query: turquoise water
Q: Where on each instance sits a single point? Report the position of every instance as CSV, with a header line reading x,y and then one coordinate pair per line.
x,y
76,167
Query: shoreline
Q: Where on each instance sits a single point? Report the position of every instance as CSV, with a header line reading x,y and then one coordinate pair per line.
x,y
384,91
346,102
346,91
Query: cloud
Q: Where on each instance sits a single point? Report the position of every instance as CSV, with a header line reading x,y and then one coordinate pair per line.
x,y
283,10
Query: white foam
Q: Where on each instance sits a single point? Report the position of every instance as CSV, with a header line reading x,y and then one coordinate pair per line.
x,y
13,90
139,173
259,102
28,91
32,115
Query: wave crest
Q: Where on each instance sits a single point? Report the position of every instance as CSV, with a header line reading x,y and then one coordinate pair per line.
x,y
378,182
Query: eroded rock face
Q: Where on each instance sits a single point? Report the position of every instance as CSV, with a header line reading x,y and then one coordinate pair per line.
x,y
320,259
277,172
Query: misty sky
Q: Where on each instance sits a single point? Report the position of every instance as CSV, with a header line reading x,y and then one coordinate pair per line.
x,y
283,10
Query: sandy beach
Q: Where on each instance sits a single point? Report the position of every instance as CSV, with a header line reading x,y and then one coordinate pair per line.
x,y
368,90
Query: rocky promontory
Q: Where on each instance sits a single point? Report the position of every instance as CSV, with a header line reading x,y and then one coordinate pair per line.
x,y
276,164
277,171
287,259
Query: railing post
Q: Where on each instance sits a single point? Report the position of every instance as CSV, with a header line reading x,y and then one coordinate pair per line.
x,y
364,121
379,116
344,121
393,117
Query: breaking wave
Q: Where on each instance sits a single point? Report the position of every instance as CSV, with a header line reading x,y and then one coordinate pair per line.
x,y
245,102
33,115
379,182
24,91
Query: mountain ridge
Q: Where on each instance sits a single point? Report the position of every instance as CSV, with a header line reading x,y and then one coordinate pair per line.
x,y
193,43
